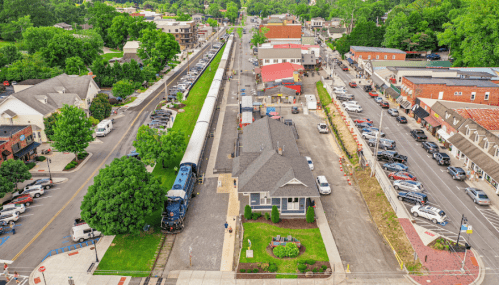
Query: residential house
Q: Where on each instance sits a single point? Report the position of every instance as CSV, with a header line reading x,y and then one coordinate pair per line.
x,y
204,32
130,52
128,10
267,56
451,89
336,22
198,17
271,171
478,149
317,23
376,53
16,142
309,61
336,33
64,26
284,34
26,84
31,105
185,32
86,27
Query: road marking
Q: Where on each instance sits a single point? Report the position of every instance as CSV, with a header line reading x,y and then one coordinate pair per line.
x,y
66,236
97,169
442,170
28,215
35,206
490,216
44,197
50,189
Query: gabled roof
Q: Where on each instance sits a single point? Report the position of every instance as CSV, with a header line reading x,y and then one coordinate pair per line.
x,y
280,90
281,32
261,168
279,71
487,118
9,130
62,89
31,81
376,49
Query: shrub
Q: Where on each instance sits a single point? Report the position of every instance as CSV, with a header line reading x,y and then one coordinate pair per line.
x,y
272,268
310,214
280,251
275,215
247,212
40,158
82,155
315,270
255,270
264,266
310,261
323,267
242,270
30,165
70,165
292,250
302,267
267,216
255,216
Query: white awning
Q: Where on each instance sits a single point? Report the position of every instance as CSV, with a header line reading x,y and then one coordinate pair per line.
x,y
443,134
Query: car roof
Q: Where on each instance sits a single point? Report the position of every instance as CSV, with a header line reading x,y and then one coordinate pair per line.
x,y
432,143
322,178
308,158
444,154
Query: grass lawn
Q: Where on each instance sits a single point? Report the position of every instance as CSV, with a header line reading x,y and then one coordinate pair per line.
x,y
240,32
323,95
108,56
261,234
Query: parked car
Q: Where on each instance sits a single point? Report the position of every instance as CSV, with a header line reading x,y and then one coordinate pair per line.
x,y
344,97
441,158
367,135
413,197
45,182
401,119
23,199
295,110
402,175
383,143
408,185
310,163
393,112
457,173
373,94
378,100
323,185
9,210
353,108
82,232
351,102
443,49
17,207
6,83
433,56
322,128
391,156
344,68
352,84
431,213
367,88
340,91
339,88
430,147
10,218
134,154
395,167
363,125
365,120
479,197
34,191
419,135
373,129
384,105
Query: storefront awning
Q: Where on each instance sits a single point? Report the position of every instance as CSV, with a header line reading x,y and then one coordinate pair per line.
x,y
6,153
350,60
392,93
443,134
406,104
420,112
27,149
432,121
399,99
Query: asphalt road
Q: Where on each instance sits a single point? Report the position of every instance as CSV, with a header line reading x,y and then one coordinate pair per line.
x,y
47,223
443,192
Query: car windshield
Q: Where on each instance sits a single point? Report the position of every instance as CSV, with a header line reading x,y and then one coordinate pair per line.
x,y
323,126
100,129
482,196
323,184
441,213
445,158
309,162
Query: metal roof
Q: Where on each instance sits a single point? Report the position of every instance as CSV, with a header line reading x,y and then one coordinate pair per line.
x,y
451,81
376,49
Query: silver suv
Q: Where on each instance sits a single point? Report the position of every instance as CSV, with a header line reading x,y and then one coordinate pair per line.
x,y
408,185
45,182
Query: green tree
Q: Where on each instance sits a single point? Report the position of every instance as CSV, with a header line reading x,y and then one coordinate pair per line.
x,y
101,16
30,67
8,54
274,216
184,17
212,22
157,48
232,12
6,186
15,171
310,215
35,38
40,11
214,10
72,131
123,89
13,31
259,36
75,65
49,124
100,107
122,196
247,212
155,146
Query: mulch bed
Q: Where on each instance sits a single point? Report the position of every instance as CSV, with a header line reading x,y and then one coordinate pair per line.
x,y
78,163
285,223
266,275
271,252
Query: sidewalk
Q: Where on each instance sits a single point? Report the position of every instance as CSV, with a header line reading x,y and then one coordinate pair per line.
x,y
77,264
58,161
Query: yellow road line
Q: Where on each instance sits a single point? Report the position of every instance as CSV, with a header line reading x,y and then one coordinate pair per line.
x,y
95,171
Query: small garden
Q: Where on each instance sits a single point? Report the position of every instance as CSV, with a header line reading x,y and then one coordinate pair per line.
x,y
74,163
279,251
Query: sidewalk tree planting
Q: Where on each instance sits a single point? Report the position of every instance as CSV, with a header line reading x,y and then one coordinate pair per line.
x,y
49,123
123,89
100,108
6,186
124,193
15,171
259,36
156,146
157,48
72,131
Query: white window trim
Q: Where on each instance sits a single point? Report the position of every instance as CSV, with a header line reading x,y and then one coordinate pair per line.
x,y
296,205
368,57
487,95
393,56
473,95
265,201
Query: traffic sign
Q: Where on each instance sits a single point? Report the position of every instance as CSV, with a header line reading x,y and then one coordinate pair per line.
x,y
469,230
42,268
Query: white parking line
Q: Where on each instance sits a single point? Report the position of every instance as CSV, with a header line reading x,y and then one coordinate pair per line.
x,y
35,206
44,197
27,215
53,189
491,216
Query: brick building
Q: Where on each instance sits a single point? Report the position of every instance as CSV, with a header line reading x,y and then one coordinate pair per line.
x,y
185,32
285,34
450,89
376,53
16,142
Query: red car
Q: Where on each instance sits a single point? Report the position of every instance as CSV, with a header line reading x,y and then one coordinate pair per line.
x,y
373,94
23,199
402,176
384,105
365,120
345,68
6,83
352,84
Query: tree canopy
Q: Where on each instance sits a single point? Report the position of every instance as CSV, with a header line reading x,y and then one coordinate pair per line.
x,y
157,48
100,107
122,196
15,171
155,146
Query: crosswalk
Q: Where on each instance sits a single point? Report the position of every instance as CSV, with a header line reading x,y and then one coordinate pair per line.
x,y
491,216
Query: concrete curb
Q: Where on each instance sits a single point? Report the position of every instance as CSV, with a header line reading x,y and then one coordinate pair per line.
x,y
63,172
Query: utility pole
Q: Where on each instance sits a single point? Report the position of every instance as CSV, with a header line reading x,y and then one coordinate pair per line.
x,y
463,220
375,155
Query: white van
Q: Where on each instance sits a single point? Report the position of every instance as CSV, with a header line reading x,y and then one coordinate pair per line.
x,y
82,232
104,128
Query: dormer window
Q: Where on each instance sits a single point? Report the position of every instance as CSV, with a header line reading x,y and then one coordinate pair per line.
x,y
486,145
497,151
447,115
468,132
476,138
455,121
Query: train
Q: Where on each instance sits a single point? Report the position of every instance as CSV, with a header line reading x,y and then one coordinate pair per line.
x,y
179,197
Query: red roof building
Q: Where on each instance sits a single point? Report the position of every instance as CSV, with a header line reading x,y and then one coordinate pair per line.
x,y
487,118
284,70
283,32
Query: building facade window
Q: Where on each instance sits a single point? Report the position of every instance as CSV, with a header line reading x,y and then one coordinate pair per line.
x,y
486,145
16,147
368,57
386,57
476,138
468,132
497,152
487,95
267,61
360,56
473,95
393,57
293,60
283,60
377,57
293,204
275,60
265,201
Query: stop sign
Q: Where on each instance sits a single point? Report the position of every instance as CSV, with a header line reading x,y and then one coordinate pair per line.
x,y
41,269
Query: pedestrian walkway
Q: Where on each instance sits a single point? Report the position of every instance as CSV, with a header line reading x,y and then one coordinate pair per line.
x,y
56,162
227,184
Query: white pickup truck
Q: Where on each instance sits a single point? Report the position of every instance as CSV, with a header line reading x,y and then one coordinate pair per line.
x,y
322,127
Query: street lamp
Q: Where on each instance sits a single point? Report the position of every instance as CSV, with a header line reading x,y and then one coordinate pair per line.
x,y
48,165
463,221
95,245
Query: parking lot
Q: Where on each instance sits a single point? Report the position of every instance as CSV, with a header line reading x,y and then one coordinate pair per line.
x,y
443,192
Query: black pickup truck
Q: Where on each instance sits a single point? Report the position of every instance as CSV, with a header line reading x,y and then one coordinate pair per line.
x,y
391,156
418,135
